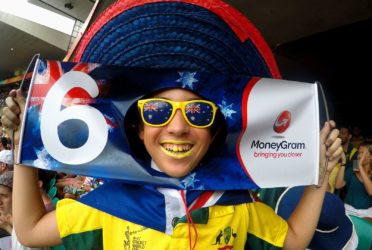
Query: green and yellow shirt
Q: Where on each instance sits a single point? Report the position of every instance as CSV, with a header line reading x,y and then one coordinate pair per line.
x,y
218,227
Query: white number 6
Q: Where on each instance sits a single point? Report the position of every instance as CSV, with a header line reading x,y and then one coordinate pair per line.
x,y
52,116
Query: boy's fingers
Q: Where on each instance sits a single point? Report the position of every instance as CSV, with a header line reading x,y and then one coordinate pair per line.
x,y
335,145
20,99
12,105
324,133
335,150
332,137
328,134
9,123
10,115
335,156
332,123
13,93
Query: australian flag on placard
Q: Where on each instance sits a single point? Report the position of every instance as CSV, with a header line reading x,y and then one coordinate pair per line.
x,y
79,120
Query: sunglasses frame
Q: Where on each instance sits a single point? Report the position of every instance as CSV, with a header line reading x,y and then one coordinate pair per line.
x,y
176,105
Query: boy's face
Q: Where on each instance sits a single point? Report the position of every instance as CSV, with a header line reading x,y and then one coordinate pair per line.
x,y
176,148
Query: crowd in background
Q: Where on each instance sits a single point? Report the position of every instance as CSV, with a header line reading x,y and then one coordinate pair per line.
x,y
352,177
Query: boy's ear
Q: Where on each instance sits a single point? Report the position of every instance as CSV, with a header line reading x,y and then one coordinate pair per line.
x,y
141,133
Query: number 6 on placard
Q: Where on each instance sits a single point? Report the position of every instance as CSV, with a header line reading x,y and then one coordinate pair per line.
x,y
52,116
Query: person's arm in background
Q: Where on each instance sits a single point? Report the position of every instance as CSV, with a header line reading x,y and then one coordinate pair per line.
x,y
364,175
340,179
34,226
304,219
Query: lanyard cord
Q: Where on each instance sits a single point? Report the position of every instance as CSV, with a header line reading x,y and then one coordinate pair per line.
x,y
189,221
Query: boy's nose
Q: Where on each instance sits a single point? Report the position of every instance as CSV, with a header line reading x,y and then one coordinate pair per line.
x,y
178,124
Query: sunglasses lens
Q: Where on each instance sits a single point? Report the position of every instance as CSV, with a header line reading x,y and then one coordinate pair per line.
x,y
199,113
157,112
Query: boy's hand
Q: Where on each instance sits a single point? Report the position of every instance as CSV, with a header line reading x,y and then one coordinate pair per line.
x,y
330,146
13,112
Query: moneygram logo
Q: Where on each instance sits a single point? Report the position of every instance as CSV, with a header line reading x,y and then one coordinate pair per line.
x,y
282,122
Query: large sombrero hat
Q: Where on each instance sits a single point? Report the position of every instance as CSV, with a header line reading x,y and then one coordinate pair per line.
x,y
195,35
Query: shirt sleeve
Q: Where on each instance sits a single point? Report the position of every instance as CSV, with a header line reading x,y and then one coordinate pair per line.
x,y
265,224
74,217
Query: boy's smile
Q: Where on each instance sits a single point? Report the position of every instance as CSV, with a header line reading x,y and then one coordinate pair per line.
x,y
176,148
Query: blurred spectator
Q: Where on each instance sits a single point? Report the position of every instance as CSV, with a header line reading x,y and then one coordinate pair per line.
x,y
358,197
6,222
67,186
357,137
351,154
348,147
333,175
4,143
6,186
92,183
75,186
46,189
6,161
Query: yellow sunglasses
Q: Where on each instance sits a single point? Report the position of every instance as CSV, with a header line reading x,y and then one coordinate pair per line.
x,y
159,112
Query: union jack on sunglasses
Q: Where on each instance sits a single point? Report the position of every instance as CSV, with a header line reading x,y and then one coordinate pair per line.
x,y
159,112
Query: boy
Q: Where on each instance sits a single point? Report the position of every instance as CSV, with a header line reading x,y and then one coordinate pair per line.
x,y
188,35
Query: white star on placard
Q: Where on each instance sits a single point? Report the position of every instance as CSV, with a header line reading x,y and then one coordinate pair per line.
x,y
226,109
44,160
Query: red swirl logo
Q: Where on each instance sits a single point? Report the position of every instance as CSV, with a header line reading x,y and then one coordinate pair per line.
x,y
282,122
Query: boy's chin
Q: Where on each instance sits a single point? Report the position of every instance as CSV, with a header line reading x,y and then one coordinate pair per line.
x,y
176,172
